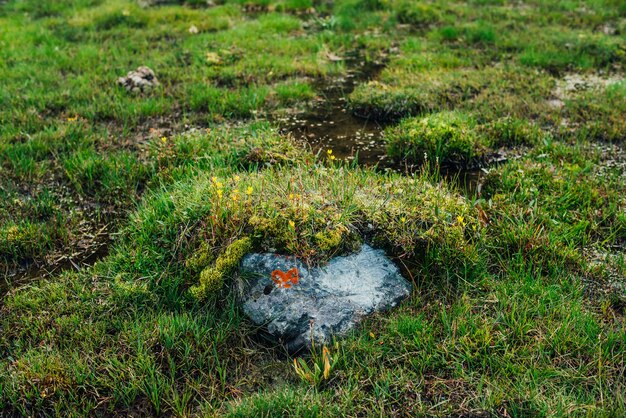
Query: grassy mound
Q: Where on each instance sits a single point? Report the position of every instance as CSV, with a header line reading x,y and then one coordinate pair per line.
x,y
134,316
456,139
447,138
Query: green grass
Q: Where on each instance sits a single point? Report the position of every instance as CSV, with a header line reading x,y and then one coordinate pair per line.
x,y
446,137
64,121
518,302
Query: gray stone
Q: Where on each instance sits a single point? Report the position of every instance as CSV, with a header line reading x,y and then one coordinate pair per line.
x,y
140,80
327,301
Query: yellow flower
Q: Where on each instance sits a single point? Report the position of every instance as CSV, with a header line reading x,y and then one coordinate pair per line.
x,y
235,197
403,219
329,152
292,224
219,184
72,118
164,139
290,196
249,191
220,193
460,220
237,178
332,157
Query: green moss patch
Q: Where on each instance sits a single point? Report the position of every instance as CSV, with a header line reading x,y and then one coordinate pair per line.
x,y
212,278
447,137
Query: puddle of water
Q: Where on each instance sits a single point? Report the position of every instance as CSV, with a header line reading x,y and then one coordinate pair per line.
x,y
328,124
335,128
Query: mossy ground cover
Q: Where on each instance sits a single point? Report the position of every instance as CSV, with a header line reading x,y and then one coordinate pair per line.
x,y
518,307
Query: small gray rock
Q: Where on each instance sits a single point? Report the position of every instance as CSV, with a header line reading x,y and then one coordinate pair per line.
x,y
327,301
140,80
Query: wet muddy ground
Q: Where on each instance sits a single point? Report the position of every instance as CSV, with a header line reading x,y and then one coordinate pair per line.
x,y
77,261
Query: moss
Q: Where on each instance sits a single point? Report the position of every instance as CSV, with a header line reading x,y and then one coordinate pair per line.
x,y
329,240
201,258
211,281
233,255
309,236
274,231
449,137
511,132
212,278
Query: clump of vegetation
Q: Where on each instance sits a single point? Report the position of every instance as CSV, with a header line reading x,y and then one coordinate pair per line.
x,y
551,203
507,132
559,50
212,278
110,175
382,102
297,92
407,91
325,213
250,146
411,86
446,137
419,15
23,241
597,114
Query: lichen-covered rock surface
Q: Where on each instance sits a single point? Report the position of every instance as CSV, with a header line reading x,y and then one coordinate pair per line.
x,y
327,301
